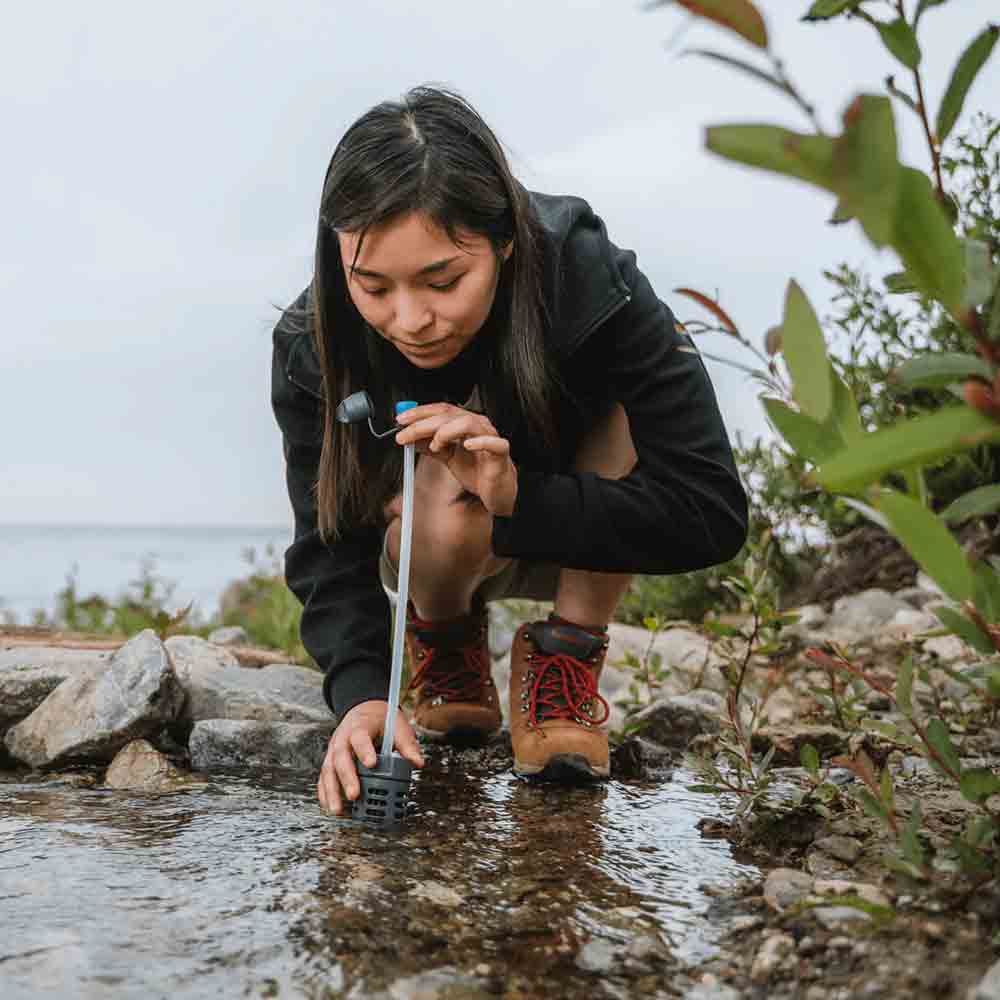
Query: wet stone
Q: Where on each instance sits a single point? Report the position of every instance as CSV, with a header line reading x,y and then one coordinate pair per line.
x,y
438,984
140,767
597,955
711,989
785,887
845,849
771,954
675,721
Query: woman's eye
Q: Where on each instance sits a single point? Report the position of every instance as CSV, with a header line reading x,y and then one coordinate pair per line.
x,y
373,291
448,284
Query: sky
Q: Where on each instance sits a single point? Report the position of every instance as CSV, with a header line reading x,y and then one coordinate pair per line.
x,y
160,183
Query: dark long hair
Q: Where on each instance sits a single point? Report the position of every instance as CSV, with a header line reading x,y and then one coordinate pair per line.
x,y
430,153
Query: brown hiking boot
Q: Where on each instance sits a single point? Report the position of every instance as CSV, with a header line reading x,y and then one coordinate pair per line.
x,y
455,697
555,706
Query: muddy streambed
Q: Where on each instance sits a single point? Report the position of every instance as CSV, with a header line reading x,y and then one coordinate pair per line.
x,y
243,887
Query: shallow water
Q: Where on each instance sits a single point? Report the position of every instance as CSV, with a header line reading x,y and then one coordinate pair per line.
x,y
244,888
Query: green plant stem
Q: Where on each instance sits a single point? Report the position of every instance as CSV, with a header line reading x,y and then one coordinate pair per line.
x,y
795,95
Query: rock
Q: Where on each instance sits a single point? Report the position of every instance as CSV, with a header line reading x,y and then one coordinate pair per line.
x,y
845,887
925,583
674,721
436,892
29,674
771,954
822,865
229,635
709,988
948,648
833,916
645,952
92,716
907,623
785,887
862,615
219,688
683,650
445,983
789,740
989,985
845,849
744,923
225,743
916,597
597,955
140,767
636,758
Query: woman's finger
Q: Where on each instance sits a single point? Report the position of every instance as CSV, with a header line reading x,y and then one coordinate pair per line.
x,y
343,762
406,742
364,749
486,442
328,787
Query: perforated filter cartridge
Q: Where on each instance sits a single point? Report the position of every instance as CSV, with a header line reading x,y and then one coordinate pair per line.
x,y
385,790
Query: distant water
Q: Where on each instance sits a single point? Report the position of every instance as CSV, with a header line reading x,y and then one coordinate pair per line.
x,y
197,560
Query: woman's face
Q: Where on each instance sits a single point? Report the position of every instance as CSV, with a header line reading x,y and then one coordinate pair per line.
x,y
423,293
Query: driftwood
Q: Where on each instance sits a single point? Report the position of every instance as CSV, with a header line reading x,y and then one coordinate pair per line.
x,y
12,636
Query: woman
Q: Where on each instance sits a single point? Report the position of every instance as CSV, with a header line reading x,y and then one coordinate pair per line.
x,y
567,437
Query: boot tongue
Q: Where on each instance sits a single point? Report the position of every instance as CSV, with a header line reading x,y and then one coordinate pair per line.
x,y
558,638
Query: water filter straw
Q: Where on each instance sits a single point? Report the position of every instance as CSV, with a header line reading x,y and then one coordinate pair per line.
x,y
399,630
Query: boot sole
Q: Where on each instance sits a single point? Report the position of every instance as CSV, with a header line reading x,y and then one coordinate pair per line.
x,y
565,768
462,736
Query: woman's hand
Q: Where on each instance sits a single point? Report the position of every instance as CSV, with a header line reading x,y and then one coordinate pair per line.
x,y
338,777
469,445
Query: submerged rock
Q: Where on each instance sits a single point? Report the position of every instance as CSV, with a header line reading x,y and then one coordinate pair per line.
x,y
92,716
228,743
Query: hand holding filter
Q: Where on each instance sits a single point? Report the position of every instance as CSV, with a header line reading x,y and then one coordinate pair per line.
x,y
385,787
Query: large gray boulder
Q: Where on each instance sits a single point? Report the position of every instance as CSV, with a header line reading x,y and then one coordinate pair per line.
x,y
228,743
675,721
90,717
218,687
29,674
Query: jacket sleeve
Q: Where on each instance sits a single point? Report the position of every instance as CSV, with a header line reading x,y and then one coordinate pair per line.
x,y
682,507
345,612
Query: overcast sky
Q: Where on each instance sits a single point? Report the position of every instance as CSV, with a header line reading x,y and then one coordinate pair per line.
x,y
160,182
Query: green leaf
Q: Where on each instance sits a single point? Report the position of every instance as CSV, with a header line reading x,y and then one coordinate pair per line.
x,y
814,441
987,592
870,804
923,5
904,686
935,371
809,756
927,538
886,791
740,16
823,10
966,69
899,282
886,729
979,276
979,783
844,417
921,441
937,736
865,167
901,40
807,157
993,681
804,351
966,630
909,842
926,243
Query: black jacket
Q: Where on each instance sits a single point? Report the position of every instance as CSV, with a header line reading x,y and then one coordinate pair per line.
x,y
682,508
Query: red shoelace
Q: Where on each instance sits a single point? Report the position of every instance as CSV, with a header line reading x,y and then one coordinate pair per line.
x,y
451,674
563,688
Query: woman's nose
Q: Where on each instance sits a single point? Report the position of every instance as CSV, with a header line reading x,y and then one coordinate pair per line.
x,y
412,315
